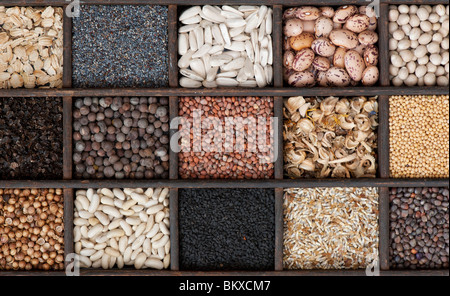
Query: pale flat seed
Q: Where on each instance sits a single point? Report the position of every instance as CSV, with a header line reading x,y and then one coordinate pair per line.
x,y
198,66
224,31
189,83
211,75
245,8
248,68
259,75
209,19
234,64
262,31
205,23
223,81
208,35
209,84
232,9
186,59
236,46
193,41
188,28
230,74
219,60
199,37
191,74
265,42
206,58
248,83
190,12
230,15
216,49
264,57
192,20
217,34
269,22
202,51
269,47
213,13
235,22
268,70
236,31
249,50
242,77
252,23
262,14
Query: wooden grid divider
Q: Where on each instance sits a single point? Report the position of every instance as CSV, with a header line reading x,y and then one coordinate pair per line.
x,y
278,91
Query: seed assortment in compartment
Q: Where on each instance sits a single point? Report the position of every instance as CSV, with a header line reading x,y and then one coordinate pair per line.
x,y
227,229
328,47
225,46
120,46
186,104
330,228
121,137
330,137
226,138
419,136
31,47
419,45
31,133
31,229
419,237
117,228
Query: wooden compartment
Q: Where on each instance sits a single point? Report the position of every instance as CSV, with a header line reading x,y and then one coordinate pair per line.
x,y
383,90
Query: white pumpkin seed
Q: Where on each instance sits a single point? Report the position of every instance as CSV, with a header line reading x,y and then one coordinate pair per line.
x,y
193,45
259,75
191,74
223,81
183,44
188,28
189,83
232,9
192,20
202,51
224,31
230,74
198,66
236,31
236,46
190,12
208,35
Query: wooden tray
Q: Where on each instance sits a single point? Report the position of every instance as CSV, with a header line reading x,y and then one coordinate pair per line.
x,y
279,91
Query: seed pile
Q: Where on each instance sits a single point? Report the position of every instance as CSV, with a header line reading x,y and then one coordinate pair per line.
x,y
222,152
419,45
128,227
227,229
330,228
31,47
120,46
330,48
31,132
121,137
419,136
330,137
31,229
419,228
226,46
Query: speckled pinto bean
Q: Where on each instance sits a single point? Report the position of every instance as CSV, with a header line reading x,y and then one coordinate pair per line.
x,y
330,35
303,60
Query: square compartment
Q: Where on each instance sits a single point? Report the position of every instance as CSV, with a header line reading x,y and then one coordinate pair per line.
x,y
199,67
348,133
231,132
121,138
307,80
31,138
419,233
330,228
120,46
227,229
